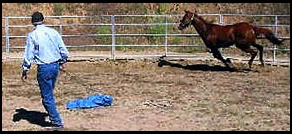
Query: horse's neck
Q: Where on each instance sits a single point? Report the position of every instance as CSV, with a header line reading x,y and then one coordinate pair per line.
x,y
201,26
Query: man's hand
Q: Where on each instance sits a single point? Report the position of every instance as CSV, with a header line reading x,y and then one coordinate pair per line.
x,y
62,67
24,75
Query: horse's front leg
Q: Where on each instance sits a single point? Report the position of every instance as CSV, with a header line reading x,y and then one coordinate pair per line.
x,y
208,50
217,54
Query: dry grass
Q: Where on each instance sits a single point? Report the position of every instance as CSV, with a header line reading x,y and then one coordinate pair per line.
x,y
148,97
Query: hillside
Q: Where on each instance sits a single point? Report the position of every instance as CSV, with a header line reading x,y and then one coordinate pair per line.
x,y
51,9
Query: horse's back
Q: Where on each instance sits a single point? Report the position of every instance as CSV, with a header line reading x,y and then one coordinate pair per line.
x,y
238,33
243,26
244,33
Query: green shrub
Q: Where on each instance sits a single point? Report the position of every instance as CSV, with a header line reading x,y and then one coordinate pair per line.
x,y
101,39
175,40
156,29
58,9
162,8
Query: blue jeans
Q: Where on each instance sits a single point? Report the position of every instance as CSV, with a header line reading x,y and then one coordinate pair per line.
x,y
47,75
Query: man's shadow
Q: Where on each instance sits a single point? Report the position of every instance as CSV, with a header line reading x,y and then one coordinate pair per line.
x,y
200,67
33,117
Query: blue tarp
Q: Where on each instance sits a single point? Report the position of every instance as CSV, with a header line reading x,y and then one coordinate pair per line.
x,y
90,102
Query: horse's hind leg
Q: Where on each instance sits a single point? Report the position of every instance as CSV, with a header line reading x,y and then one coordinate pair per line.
x,y
217,54
252,52
260,48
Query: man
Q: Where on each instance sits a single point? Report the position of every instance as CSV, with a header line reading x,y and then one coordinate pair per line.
x,y
45,47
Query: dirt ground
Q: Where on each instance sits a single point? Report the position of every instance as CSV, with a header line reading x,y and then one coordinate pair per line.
x,y
180,95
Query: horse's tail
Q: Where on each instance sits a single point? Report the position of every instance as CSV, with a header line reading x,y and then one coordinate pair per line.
x,y
268,34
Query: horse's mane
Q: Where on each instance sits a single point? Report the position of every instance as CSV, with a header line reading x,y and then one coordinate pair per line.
x,y
201,18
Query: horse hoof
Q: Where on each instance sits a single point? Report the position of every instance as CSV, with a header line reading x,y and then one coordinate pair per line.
x,y
233,69
161,63
229,65
228,60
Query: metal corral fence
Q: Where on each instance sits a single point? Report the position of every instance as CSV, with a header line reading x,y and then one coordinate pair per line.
x,y
161,33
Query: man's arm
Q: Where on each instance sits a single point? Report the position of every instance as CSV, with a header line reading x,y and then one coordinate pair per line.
x,y
28,56
63,52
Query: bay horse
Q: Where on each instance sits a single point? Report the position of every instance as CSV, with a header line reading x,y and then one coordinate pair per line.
x,y
242,34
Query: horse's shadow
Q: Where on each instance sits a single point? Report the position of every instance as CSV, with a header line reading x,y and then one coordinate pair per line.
x,y
200,67
33,117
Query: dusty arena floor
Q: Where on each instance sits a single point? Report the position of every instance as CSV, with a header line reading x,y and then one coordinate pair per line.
x,y
180,95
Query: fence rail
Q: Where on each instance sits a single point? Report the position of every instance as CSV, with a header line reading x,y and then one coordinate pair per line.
x,y
113,24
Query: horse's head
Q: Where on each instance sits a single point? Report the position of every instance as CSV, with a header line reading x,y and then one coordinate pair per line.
x,y
186,20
